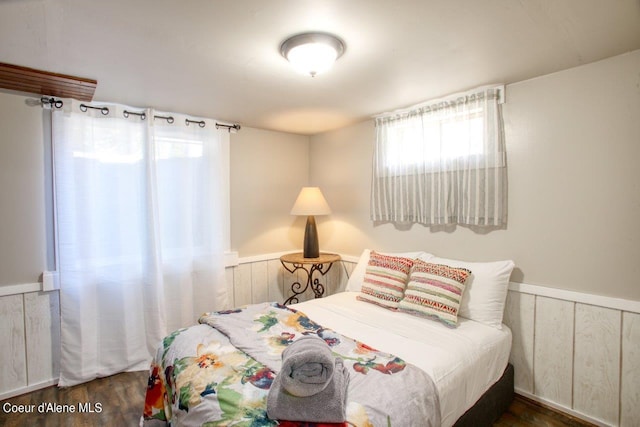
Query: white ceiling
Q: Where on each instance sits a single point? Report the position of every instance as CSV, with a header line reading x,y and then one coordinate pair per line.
x,y
220,58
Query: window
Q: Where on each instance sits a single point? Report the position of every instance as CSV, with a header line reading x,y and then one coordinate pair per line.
x,y
442,162
440,140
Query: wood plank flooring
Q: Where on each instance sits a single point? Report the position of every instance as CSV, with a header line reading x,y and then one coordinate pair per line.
x,y
524,412
118,401
121,399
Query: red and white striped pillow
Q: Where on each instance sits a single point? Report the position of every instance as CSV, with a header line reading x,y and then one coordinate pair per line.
x,y
435,291
385,280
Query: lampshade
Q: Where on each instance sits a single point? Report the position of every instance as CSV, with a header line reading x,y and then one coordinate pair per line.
x,y
310,201
312,53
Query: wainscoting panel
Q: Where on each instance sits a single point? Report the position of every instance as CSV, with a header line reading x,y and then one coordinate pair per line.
x,y
242,294
630,387
13,366
259,282
30,337
337,278
584,358
229,272
519,314
265,279
348,267
42,332
553,350
596,380
275,289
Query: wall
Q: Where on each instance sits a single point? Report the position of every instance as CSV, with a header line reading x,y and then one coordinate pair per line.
x,y
23,254
268,169
574,201
572,140
30,322
574,196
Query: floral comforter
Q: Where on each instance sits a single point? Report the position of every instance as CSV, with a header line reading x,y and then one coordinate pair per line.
x,y
218,373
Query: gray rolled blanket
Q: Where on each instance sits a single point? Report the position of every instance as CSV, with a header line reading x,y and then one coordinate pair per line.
x,y
312,385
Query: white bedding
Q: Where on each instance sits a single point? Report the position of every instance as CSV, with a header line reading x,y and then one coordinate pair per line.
x,y
463,362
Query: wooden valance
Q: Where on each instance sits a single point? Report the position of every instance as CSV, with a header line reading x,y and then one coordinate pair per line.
x,y
23,79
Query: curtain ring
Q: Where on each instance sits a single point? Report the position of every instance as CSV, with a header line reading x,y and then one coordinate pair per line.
x,y
103,110
142,115
200,123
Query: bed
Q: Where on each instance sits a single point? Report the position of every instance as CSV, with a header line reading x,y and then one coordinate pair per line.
x,y
424,372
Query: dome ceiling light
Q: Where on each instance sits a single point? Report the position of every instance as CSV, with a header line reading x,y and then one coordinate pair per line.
x,y
312,53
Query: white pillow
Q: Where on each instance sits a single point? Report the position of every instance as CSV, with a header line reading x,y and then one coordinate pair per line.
x,y
357,275
485,290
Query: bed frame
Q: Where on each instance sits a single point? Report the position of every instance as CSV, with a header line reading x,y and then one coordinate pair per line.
x,y
492,404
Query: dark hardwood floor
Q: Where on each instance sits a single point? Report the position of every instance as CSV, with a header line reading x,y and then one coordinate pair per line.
x,y
524,412
118,401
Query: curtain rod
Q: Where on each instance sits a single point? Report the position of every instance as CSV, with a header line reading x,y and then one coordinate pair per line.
x,y
236,127
434,104
51,102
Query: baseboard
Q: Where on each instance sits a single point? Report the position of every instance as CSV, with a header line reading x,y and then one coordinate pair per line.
x,y
28,389
559,408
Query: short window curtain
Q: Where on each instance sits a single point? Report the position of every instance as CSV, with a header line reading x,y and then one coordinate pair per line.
x,y
140,220
442,163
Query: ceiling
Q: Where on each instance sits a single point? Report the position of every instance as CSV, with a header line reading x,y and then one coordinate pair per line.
x,y
220,58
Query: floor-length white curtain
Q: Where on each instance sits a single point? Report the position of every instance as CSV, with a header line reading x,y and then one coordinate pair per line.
x,y
442,163
139,222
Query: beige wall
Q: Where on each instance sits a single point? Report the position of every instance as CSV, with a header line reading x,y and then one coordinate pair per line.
x,y
573,141
23,255
573,145
268,169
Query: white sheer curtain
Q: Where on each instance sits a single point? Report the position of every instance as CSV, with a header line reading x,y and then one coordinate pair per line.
x,y
140,225
442,163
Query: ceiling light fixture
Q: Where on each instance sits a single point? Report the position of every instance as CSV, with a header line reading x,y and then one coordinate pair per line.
x,y
312,53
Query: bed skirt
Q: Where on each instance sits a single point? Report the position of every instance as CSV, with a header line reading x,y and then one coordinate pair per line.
x,y
492,404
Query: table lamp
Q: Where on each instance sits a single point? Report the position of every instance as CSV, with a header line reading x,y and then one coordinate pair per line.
x,y
310,202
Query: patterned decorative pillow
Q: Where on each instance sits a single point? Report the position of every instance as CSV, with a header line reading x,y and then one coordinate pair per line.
x,y
435,291
385,280
356,278
485,291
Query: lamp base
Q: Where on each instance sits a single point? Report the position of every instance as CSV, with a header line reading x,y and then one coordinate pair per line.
x,y
311,246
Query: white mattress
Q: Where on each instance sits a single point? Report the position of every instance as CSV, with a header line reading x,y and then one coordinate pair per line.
x,y
463,362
